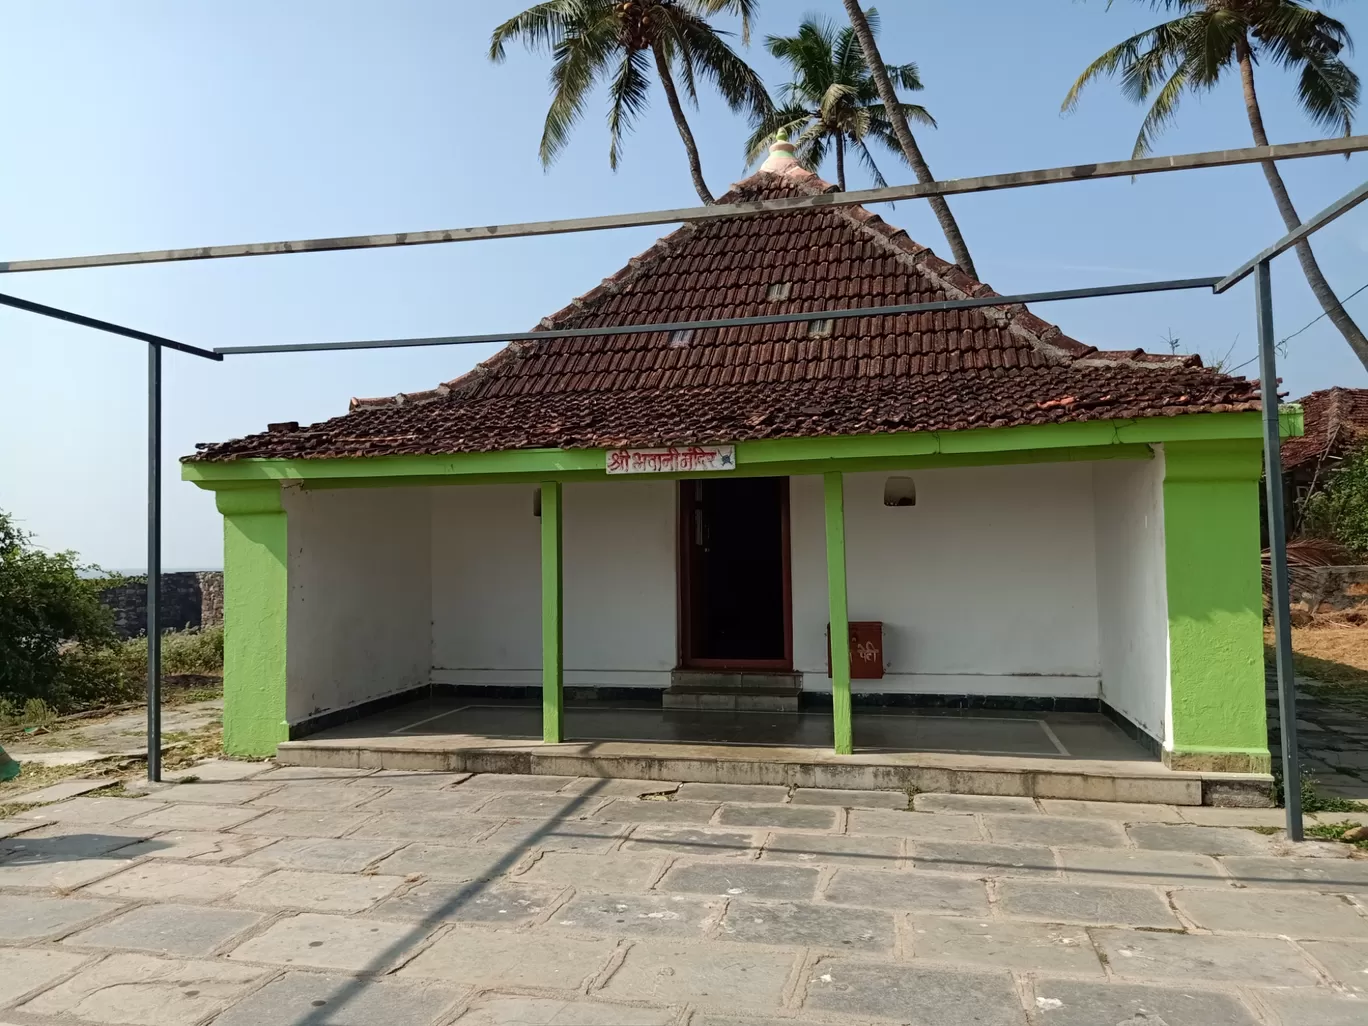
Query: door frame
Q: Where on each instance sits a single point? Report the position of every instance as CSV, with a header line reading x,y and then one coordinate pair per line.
x,y
686,504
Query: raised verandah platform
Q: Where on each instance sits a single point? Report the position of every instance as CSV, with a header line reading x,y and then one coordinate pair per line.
x,y
1068,755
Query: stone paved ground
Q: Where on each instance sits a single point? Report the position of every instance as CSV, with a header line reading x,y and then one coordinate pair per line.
x,y
1332,733
301,896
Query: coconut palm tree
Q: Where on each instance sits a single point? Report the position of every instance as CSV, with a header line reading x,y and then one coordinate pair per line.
x,y
832,101
619,42
859,21
1209,38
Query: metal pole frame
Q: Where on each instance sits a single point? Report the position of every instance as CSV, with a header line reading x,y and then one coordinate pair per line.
x,y
154,518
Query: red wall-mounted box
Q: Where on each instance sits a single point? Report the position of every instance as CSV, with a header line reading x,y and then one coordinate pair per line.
x,y
866,650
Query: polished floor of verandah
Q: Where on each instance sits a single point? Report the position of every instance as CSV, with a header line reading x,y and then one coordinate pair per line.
x,y
1045,735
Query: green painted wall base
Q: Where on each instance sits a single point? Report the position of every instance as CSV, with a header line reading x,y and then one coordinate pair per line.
x,y
255,608
1215,606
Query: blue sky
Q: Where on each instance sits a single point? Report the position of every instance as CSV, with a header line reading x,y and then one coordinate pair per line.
x,y
149,124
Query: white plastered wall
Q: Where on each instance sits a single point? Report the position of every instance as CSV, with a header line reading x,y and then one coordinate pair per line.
x,y
619,584
1132,591
987,586
360,596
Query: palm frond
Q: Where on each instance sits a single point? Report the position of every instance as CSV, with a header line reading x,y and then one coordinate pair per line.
x,y
911,111
629,92
577,61
1162,111
746,10
1121,56
790,119
540,27
867,159
905,76
1328,93
704,52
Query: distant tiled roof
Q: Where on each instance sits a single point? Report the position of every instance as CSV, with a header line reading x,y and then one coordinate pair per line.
x,y
1336,420
986,367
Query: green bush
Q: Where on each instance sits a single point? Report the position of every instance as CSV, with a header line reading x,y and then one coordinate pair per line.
x,y
48,604
1340,509
188,651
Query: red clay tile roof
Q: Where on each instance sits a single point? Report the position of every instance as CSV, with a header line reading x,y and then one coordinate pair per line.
x,y
987,367
1336,420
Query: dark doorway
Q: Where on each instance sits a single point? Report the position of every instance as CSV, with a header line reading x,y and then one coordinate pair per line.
x,y
734,573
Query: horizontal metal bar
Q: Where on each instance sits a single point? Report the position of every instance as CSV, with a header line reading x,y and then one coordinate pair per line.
x,y
731,322
1343,205
99,325
989,183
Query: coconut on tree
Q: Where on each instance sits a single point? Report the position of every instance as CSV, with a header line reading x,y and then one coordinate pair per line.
x,y
832,105
620,43
1210,39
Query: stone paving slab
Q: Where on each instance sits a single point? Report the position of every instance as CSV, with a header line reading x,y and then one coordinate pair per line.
x,y
10,827
304,823
834,850
1279,914
25,970
226,793
693,841
517,782
1086,904
711,975
215,770
63,841
60,791
148,991
311,773
915,825
898,800
318,797
779,817
300,998
544,806
1055,831
1206,815
65,875
194,845
496,902
640,915
1126,812
989,942
973,803
415,799
1204,959
914,892
89,812
602,787
605,873
1316,1010
325,854
1204,839
1300,874
629,810
332,942
498,1010
984,859
763,793
210,818
803,925
1346,962
1151,868
317,892
174,881
188,931
422,781
419,826
571,835
489,958
33,917
914,995
1075,1003
444,862
736,879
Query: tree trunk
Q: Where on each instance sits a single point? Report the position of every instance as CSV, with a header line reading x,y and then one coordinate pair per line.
x,y
1325,295
840,162
682,123
911,151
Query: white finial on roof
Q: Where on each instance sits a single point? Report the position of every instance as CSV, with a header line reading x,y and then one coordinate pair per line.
x,y
780,157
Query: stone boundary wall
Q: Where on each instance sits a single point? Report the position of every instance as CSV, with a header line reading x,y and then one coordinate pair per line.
x,y
1324,590
191,598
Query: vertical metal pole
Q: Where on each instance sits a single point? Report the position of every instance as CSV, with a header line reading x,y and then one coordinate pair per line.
x,y
1277,552
154,439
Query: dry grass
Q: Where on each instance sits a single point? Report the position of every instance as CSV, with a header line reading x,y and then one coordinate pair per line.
x,y
1331,654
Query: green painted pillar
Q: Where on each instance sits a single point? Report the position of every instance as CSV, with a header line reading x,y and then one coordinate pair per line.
x,y
1215,606
255,597
553,628
833,492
